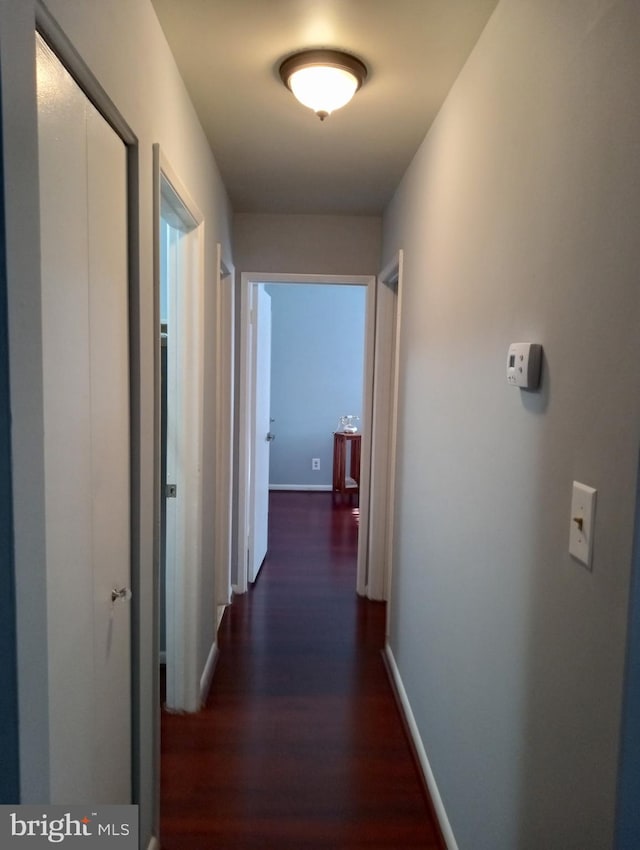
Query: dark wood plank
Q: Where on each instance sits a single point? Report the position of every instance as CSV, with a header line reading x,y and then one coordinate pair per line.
x,y
300,744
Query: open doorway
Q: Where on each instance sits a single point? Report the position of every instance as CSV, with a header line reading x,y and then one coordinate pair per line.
x,y
378,424
249,287
307,347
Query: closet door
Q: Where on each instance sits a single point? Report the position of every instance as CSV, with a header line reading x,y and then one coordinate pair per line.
x,y
83,231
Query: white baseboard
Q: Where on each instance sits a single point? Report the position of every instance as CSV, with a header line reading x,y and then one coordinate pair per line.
x,y
207,674
154,844
324,488
412,726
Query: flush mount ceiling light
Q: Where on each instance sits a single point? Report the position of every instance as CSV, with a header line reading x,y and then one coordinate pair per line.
x,y
323,80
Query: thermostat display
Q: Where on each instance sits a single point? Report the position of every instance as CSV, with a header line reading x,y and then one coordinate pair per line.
x,y
523,364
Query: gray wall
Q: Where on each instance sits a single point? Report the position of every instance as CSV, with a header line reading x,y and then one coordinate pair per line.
x,y
317,372
307,244
519,221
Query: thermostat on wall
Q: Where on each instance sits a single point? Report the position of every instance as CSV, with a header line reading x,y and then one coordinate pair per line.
x,y
523,364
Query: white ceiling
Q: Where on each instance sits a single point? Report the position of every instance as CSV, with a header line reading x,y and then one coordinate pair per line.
x,y
277,156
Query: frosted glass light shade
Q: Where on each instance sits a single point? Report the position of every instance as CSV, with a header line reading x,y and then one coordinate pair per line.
x,y
323,80
323,89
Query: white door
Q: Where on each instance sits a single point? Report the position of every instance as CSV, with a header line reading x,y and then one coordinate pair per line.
x,y
83,228
262,434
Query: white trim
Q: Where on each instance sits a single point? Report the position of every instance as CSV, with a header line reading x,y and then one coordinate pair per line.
x,y
207,673
153,844
247,281
244,439
302,488
66,51
393,436
427,772
224,379
363,579
388,333
184,571
185,208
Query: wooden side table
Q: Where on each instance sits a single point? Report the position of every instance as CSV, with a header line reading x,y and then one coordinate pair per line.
x,y
346,447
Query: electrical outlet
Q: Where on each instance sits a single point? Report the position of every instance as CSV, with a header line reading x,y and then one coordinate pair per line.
x,y
315,463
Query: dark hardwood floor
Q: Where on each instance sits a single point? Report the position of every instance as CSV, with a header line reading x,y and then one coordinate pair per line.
x,y
301,744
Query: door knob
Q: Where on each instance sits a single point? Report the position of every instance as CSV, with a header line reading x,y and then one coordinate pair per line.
x,y
120,593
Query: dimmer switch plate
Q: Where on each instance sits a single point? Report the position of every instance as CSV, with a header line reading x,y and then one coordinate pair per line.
x,y
583,509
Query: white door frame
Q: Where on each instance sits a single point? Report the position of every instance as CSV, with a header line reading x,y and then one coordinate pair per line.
x,y
183,574
252,279
225,345
385,427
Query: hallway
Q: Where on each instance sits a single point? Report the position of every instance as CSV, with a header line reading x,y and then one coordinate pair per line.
x,y
300,744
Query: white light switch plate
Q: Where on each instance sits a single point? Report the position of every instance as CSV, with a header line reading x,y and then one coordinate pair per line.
x,y
583,509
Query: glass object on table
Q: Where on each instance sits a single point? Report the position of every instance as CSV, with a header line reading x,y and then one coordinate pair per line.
x,y
348,424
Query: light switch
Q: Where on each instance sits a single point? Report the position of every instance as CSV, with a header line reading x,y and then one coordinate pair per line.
x,y
583,509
